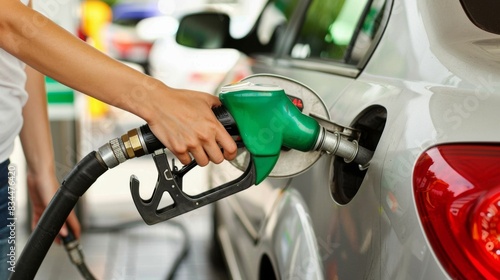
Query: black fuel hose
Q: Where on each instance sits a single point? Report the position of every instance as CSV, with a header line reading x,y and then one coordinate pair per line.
x,y
76,183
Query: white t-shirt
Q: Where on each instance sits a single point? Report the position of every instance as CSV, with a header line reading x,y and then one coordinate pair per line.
x,y
13,96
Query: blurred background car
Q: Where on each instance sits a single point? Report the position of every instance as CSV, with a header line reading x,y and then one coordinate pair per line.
x,y
194,68
418,79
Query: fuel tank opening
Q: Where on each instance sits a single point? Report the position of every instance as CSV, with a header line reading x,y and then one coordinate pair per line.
x,y
347,177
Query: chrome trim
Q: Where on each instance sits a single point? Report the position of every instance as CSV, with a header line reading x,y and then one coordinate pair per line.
x,y
141,139
108,157
117,150
322,66
321,138
378,36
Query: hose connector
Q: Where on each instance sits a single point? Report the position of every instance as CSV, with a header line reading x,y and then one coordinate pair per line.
x,y
74,252
128,146
134,144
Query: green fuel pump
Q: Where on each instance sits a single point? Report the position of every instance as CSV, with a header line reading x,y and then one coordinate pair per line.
x,y
267,121
262,118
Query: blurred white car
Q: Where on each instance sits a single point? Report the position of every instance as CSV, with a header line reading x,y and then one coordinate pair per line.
x,y
184,67
200,69
420,80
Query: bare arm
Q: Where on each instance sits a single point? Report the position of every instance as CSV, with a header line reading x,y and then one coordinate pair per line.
x,y
181,119
37,146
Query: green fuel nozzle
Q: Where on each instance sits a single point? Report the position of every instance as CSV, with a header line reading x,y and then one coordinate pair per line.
x,y
267,120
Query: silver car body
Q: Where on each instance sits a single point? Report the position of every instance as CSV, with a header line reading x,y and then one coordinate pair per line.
x,y
437,76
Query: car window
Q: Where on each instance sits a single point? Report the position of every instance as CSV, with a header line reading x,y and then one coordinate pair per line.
x,y
340,30
274,20
362,41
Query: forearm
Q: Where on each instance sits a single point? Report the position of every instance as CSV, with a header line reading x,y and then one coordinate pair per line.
x,y
35,134
55,52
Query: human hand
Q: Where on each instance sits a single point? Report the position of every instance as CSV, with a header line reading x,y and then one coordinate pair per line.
x,y
184,122
41,189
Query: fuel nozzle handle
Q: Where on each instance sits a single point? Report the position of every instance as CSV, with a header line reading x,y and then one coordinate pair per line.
x,y
152,143
226,119
141,141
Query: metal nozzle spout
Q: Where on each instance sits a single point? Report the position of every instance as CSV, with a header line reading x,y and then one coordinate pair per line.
x,y
335,144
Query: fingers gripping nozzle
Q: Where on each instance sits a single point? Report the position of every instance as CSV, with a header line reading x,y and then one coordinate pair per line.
x,y
141,141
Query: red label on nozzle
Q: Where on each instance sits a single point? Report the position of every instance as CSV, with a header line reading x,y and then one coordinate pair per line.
x,y
297,102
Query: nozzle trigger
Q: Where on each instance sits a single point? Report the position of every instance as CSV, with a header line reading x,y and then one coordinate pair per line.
x,y
170,180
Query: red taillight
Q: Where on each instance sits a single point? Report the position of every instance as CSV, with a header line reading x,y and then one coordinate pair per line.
x,y
457,192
